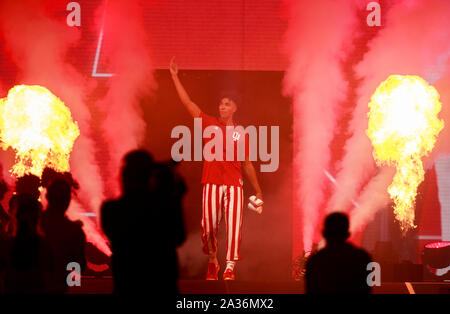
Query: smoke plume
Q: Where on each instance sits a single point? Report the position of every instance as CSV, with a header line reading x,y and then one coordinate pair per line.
x,y
126,52
37,42
317,40
413,41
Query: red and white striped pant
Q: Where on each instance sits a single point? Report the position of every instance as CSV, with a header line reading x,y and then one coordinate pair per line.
x,y
223,200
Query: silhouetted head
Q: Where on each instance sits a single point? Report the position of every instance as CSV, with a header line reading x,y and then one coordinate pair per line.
x,y
336,228
69,178
27,215
59,195
136,170
28,184
48,175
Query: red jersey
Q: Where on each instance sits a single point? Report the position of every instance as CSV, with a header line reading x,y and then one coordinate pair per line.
x,y
223,172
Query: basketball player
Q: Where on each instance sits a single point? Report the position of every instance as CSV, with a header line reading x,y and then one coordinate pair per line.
x,y
222,185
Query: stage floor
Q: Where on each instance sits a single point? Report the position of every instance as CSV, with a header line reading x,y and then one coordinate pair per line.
x,y
104,286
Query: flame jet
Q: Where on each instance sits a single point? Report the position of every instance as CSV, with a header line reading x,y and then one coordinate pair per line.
x,y
39,127
403,128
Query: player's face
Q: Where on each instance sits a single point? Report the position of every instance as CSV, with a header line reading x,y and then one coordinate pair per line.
x,y
227,108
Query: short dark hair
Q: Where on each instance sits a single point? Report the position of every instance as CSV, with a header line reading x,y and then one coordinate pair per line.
x,y
137,169
28,184
231,94
59,194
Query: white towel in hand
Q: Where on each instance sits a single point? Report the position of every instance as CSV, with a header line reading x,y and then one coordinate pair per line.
x,y
255,204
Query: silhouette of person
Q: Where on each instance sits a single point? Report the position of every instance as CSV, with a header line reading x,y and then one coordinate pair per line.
x,y
340,267
4,216
11,223
28,184
66,236
170,187
26,259
144,227
49,175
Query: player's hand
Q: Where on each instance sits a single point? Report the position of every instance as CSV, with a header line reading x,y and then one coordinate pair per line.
x,y
173,67
259,196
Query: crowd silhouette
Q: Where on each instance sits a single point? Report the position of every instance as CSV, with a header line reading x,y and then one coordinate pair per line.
x,y
144,226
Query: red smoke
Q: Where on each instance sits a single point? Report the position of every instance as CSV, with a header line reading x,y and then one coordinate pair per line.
x,y
38,43
318,39
413,40
125,50
37,39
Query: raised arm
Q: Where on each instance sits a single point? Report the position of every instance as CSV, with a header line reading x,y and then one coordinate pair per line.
x,y
193,109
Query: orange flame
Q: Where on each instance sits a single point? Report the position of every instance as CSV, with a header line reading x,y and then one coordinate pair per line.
x,y
38,127
403,127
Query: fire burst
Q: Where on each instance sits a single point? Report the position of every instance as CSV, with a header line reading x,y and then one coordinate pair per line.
x,y
39,127
403,126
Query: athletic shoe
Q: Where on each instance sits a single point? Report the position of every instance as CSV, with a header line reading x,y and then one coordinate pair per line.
x,y
228,274
213,271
